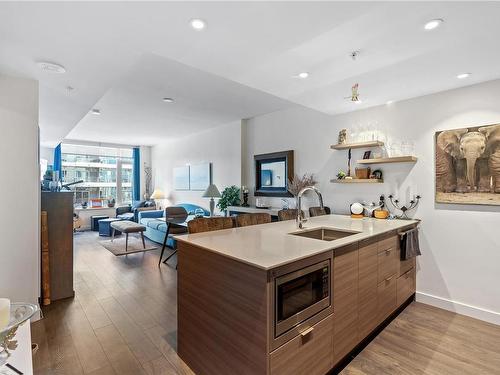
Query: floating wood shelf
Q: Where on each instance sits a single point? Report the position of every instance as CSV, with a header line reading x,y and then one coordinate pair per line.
x,y
346,146
395,159
358,181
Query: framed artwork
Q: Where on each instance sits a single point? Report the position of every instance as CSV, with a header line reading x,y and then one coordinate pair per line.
x,y
200,176
468,165
367,155
181,178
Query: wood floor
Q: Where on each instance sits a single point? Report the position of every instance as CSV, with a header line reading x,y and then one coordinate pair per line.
x,y
123,321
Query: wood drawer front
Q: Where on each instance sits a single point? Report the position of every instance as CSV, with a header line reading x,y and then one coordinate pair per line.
x,y
388,243
367,290
388,263
309,355
406,265
345,301
405,286
387,298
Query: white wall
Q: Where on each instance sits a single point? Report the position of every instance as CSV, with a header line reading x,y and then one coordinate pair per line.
x,y
221,146
47,153
19,190
460,265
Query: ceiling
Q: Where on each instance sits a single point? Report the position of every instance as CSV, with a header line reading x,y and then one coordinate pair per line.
x,y
124,57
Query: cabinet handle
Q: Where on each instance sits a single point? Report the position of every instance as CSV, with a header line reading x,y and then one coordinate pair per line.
x,y
306,332
389,278
388,251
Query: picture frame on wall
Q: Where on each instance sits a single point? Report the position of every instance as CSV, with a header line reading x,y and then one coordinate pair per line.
x,y
181,178
200,176
467,165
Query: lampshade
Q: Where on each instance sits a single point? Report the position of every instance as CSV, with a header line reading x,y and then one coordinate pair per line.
x,y
211,192
157,194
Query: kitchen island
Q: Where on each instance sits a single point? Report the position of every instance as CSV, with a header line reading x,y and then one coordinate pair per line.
x,y
271,299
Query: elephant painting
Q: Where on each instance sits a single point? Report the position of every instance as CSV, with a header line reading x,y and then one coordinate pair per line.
x,y
468,165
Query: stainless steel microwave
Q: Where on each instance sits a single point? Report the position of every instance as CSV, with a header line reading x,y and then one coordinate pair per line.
x,y
301,294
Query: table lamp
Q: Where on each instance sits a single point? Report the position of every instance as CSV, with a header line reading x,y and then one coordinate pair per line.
x,y
211,192
157,195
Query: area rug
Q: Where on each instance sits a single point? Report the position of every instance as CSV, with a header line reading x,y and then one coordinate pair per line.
x,y
117,247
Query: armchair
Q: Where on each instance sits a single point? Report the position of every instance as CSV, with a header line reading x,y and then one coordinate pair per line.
x,y
131,212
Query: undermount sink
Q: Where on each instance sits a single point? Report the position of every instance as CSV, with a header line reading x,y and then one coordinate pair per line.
x,y
324,234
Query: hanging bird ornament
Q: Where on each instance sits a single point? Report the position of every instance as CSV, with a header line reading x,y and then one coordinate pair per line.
x,y
354,94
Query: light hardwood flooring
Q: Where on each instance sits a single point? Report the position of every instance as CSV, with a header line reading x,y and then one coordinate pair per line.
x,y
123,321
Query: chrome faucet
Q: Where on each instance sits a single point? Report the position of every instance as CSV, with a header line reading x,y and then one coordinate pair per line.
x,y
300,220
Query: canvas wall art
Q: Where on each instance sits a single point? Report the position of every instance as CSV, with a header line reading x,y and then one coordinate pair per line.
x,y
468,165
181,178
200,176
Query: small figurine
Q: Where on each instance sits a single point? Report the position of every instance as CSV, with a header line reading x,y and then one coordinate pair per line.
x,y
244,191
342,136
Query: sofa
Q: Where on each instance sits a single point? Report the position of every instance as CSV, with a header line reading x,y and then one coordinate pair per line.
x,y
156,229
131,212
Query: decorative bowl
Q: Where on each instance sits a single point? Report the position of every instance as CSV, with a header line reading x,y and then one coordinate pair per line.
x,y
19,313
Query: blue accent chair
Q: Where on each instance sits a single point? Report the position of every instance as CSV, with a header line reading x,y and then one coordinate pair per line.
x,y
156,229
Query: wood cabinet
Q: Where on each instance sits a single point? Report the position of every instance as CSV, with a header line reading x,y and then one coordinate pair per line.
x,y
226,309
345,300
307,354
383,284
59,208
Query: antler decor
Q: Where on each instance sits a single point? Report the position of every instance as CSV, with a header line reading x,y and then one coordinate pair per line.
x,y
298,183
404,209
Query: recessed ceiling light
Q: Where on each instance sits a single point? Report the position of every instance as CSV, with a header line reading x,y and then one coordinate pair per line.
x,y
96,111
433,24
389,102
463,75
168,100
51,67
302,75
197,24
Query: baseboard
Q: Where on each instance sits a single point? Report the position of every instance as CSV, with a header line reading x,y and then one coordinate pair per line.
x,y
459,308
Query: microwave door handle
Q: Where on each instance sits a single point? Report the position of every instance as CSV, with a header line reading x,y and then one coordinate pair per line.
x,y
306,332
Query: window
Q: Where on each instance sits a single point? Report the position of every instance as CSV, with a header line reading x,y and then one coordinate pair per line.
x,y
106,172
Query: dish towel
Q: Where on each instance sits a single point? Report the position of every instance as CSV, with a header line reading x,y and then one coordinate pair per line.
x,y
410,247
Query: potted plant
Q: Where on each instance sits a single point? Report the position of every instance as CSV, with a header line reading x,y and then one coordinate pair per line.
x,y
230,196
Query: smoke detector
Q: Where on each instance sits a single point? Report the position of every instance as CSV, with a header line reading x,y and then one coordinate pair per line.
x,y
354,55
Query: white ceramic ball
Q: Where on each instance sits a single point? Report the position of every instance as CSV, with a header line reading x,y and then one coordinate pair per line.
x,y
357,208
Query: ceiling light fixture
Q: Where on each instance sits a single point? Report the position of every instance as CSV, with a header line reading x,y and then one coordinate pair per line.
x,y
96,111
463,75
51,67
359,101
302,75
433,24
168,100
197,24
389,102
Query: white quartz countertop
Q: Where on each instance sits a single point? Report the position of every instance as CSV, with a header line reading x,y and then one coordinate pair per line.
x,y
271,245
